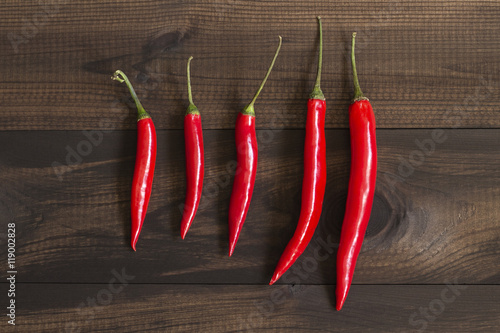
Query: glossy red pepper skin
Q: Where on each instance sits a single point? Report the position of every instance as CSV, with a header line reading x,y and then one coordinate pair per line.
x,y
314,181
195,164
244,179
142,182
362,181
145,161
246,157
313,186
193,137
360,194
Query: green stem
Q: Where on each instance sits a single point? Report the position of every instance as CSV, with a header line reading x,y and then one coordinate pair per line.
x,y
249,109
317,93
192,109
358,94
141,113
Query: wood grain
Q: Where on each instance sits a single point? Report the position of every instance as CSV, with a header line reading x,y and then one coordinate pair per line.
x,y
67,149
439,221
422,65
195,308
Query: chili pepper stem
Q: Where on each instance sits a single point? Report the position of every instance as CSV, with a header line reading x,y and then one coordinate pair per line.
x,y
144,163
361,191
141,113
192,109
358,94
247,152
317,93
249,109
193,143
314,179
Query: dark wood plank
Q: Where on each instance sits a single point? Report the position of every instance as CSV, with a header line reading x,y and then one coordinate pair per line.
x,y
195,308
421,64
439,221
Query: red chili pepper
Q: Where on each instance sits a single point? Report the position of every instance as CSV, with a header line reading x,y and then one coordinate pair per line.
x,y
193,137
314,182
361,186
246,156
144,162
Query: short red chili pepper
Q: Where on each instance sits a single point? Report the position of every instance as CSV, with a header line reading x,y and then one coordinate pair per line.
x,y
144,162
314,182
246,157
361,186
193,137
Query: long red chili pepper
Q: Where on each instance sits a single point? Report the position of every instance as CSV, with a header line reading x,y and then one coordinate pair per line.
x,y
361,186
246,157
193,137
314,182
144,162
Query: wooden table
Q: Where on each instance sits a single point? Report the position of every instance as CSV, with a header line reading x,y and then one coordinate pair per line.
x,y
431,256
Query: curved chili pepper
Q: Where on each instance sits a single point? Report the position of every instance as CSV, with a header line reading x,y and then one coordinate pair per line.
x,y
314,182
361,186
246,157
144,162
193,137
